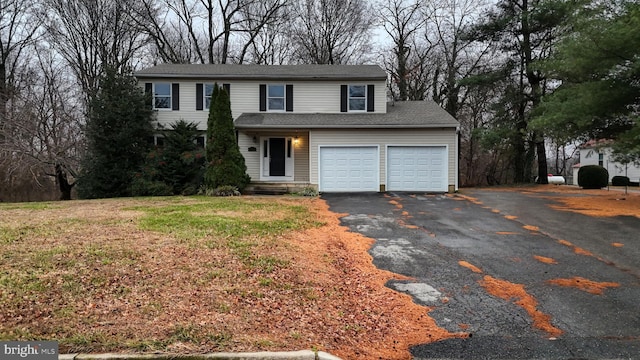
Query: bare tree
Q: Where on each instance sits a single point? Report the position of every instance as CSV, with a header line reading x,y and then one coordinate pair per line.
x,y
18,28
206,31
459,55
331,31
401,20
260,34
92,35
44,132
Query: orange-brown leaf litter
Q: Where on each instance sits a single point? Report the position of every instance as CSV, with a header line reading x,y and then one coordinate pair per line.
x,y
546,260
401,322
509,291
470,266
531,228
601,202
119,288
592,287
617,244
576,249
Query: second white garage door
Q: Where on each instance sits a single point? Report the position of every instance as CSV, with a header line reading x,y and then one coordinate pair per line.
x,y
417,168
349,168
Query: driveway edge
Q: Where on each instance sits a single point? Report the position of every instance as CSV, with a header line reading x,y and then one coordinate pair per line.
x,y
283,355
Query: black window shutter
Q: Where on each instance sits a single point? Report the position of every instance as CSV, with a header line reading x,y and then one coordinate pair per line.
x,y
175,96
370,98
263,97
148,90
343,98
227,88
199,97
289,97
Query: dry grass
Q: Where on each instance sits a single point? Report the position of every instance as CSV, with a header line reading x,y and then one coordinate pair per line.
x,y
193,275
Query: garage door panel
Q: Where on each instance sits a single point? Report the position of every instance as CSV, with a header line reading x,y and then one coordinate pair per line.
x,y
348,168
416,168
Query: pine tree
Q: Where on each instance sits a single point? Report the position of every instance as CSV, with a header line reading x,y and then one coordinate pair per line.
x,y
117,131
225,163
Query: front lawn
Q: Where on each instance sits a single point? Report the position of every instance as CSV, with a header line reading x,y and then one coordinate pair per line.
x,y
198,274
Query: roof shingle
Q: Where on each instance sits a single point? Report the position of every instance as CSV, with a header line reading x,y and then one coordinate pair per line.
x,y
254,72
407,114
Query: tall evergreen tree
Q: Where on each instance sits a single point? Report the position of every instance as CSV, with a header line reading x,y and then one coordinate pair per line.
x,y
599,66
118,131
526,31
225,163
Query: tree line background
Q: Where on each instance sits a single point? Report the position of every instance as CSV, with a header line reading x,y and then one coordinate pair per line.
x,y
526,78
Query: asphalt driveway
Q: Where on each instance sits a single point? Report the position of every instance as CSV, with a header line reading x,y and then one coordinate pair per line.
x,y
466,255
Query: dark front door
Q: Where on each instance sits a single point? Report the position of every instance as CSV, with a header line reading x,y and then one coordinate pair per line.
x,y
277,153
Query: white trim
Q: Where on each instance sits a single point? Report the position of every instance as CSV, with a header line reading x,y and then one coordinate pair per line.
x,y
284,98
445,172
349,99
153,92
204,95
456,161
377,167
289,162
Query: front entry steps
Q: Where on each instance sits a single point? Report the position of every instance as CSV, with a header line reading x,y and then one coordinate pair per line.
x,y
274,188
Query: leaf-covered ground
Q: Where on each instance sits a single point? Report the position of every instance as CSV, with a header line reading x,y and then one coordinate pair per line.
x,y
194,275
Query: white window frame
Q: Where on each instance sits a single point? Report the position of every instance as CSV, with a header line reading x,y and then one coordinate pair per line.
x,y
350,98
283,97
206,99
169,97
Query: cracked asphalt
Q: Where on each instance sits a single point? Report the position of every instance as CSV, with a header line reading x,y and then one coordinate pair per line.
x,y
439,240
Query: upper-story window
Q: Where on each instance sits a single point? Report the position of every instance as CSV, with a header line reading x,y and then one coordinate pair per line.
x,y
162,96
357,98
275,98
601,159
204,93
208,90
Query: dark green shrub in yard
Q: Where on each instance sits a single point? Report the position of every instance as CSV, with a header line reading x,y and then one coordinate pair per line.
x,y
176,168
593,177
620,181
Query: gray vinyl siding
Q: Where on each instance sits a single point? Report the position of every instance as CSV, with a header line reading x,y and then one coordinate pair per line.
x,y
382,138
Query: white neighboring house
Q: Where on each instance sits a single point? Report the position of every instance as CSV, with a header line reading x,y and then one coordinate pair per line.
x,y
328,126
598,153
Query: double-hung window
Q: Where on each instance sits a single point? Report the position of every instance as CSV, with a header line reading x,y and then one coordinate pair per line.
x,y
208,90
275,98
162,96
357,97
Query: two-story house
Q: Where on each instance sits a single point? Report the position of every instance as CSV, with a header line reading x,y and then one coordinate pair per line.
x,y
328,126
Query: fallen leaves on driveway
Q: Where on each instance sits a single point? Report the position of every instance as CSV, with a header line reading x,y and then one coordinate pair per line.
x,y
85,273
592,287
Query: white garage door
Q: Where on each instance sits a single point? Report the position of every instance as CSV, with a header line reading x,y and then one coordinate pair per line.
x,y
417,168
349,168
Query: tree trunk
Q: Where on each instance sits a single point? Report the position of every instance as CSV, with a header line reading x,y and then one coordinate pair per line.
x,y
63,183
542,164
